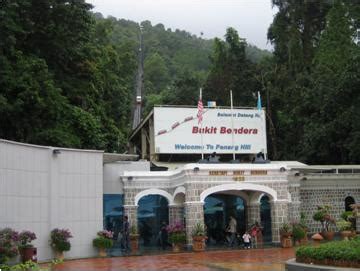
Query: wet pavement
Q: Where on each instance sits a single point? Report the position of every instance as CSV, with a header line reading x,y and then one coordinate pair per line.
x,y
271,259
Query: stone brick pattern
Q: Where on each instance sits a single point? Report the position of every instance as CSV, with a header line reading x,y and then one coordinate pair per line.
x,y
253,214
194,213
279,215
320,192
176,213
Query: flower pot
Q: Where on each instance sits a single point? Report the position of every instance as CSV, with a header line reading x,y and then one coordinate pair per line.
x,y
198,243
346,234
59,255
177,247
328,235
28,254
286,242
102,252
303,241
134,243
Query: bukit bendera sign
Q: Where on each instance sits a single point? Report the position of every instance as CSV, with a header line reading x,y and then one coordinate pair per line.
x,y
222,131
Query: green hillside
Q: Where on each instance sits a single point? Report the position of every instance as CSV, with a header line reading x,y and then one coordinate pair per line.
x,y
70,82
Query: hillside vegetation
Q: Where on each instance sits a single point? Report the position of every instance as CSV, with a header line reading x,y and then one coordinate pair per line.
x,y
70,82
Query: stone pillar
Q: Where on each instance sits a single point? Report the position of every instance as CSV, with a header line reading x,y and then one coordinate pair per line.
x,y
131,212
194,213
176,214
279,215
253,214
294,211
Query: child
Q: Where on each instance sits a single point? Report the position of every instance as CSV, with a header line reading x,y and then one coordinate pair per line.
x,y
246,237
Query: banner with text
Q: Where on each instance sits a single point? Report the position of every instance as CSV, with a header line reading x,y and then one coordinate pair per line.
x,y
221,130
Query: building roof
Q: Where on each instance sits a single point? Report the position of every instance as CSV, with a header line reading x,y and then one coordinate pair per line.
x,y
114,157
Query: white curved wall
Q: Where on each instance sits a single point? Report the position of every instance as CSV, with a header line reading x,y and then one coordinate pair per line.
x,y
40,191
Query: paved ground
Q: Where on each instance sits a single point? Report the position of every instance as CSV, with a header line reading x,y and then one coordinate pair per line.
x,y
271,259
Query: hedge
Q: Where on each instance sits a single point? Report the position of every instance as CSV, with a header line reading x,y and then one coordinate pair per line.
x,y
348,251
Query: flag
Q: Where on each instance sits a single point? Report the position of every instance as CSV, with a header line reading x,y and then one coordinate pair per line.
x,y
200,111
259,102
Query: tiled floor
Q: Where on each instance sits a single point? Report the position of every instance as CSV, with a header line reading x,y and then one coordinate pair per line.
x,y
271,259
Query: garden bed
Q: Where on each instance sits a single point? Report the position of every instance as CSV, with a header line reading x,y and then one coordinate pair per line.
x,y
336,253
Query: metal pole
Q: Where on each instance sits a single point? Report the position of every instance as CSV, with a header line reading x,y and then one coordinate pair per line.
x,y
232,124
201,134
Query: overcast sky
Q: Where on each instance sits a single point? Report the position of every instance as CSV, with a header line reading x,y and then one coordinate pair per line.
x,y
251,18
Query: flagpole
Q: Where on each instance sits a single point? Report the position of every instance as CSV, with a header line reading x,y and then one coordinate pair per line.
x,y
262,133
232,125
201,134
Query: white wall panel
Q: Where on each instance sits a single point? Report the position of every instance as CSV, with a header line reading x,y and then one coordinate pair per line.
x,y
40,191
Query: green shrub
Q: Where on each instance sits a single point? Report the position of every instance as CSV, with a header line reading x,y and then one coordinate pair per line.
x,y
343,225
199,229
62,246
102,242
59,239
298,232
336,250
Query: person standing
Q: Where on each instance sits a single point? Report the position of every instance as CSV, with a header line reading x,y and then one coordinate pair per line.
x,y
126,234
246,237
232,230
256,233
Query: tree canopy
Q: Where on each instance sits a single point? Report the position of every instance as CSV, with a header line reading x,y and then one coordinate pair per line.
x,y
71,82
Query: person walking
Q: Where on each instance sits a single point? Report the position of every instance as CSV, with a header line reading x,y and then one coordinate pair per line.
x,y
232,230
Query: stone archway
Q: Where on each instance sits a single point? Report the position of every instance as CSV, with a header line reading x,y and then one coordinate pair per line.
x,y
154,191
252,194
176,211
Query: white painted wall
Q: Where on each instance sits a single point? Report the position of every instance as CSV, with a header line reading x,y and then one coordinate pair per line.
x,y
40,191
113,171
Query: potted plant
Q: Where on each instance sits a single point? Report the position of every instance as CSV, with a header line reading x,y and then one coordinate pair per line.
x,y
177,236
350,217
103,241
323,216
298,233
344,228
134,239
199,236
27,250
59,241
285,235
8,244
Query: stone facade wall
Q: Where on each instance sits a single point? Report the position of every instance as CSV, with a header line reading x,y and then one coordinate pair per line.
x,y
279,215
176,214
253,214
293,195
326,191
194,213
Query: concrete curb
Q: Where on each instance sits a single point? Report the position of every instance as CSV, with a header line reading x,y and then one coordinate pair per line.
x,y
292,265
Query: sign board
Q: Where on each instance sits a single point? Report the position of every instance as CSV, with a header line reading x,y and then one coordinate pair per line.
x,y
176,130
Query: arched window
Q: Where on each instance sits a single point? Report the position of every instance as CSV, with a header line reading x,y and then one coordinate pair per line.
x,y
348,201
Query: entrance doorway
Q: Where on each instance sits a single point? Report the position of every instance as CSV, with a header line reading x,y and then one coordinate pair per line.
x,y
217,211
152,211
265,218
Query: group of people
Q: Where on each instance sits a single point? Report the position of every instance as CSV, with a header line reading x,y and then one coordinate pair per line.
x,y
251,238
